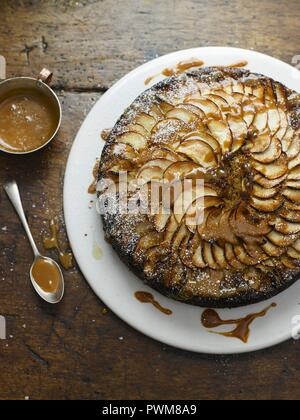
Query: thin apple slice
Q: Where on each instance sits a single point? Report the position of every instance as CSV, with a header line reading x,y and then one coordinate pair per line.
x,y
249,112
192,108
260,120
248,89
269,183
266,205
292,253
190,194
225,231
272,170
289,262
151,173
296,245
244,224
272,250
256,252
294,148
243,256
261,192
198,260
212,225
138,128
295,162
161,219
124,150
182,114
149,240
289,205
179,236
273,120
283,126
221,103
208,256
171,229
231,257
226,96
259,92
169,126
156,112
160,163
238,87
289,215
219,256
280,239
260,143
285,227
271,154
280,93
206,138
165,107
291,194
136,140
163,153
147,121
239,132
222,133
198,211
288,138
199,152
179,170
294,174
201,226
293,184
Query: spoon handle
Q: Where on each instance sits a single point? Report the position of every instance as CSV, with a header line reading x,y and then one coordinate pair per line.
x,y
12,190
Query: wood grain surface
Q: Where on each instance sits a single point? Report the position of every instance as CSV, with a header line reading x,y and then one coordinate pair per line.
x,y
73,351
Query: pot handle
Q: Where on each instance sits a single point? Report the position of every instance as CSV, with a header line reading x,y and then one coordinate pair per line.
x,y
45,76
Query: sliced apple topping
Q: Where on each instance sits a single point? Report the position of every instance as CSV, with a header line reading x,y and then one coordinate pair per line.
x,y
182,114
261,192
231,257
136,140
273,120
260,143
239,131
272,153
285,227
219,256
272,250
199,152
280,239
151,173
292,194
209,108
272,170
266,205
147,121
179,170
206,138
294,174
269,183
221,132
208,256
289,262
226,233
198,259
243,256
150,240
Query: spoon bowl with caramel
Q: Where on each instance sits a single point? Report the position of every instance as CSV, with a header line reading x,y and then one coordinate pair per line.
x,y
45,274
30,114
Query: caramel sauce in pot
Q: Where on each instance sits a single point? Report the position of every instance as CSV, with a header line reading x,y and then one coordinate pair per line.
x,y
211,319
27,121
145,297
46,275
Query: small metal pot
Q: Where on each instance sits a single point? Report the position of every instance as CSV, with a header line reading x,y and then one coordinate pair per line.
x,y
41,85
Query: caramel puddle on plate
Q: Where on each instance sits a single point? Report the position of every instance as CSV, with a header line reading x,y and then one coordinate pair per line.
x,y
210,319
179,68
52,242
93,187
97,251
46,275
145,297
238,64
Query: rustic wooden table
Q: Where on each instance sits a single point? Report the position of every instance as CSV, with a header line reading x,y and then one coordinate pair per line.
x,y
72,350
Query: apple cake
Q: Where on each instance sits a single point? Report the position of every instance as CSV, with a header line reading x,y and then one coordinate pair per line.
x,y
238,133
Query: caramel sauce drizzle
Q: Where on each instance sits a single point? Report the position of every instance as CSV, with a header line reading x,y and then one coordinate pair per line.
x,y
179,68
211,319
182,66
238,64
93,187
65,258
105,134
145,297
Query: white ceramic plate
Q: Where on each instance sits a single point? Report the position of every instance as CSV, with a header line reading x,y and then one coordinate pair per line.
x,y
109,277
